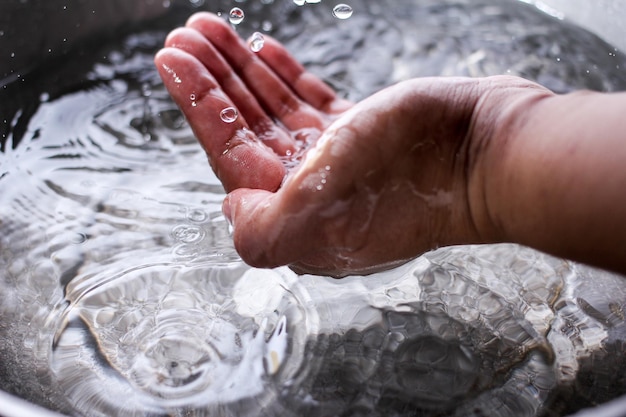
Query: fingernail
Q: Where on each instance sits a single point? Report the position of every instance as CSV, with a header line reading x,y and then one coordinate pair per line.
x,y
226,209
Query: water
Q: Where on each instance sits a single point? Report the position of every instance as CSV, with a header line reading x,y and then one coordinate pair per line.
x,y
236,16
342,11
229,115
122,293
257,41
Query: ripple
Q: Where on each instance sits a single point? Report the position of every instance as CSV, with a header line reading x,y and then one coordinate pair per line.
x,y
179,336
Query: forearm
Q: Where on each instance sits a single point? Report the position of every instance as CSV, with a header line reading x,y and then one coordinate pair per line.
x,y
558,180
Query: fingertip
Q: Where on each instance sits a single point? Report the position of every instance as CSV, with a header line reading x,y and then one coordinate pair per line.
x,y
200,16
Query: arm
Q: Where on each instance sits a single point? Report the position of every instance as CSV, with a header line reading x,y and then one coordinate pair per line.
x,y
556,178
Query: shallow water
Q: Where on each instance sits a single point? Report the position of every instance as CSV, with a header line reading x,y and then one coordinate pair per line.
x,y
122,293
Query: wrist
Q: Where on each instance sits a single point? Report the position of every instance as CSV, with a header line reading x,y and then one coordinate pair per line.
x,y
504,107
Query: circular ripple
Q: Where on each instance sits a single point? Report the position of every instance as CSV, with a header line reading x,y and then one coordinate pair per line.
x,y
166,336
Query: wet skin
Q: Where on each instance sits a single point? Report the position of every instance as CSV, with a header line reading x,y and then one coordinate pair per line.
x,y
424,163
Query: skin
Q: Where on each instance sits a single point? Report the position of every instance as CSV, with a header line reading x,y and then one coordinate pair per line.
x,y
425,163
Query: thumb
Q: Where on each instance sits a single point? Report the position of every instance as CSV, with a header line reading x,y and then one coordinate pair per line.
x,y
255,221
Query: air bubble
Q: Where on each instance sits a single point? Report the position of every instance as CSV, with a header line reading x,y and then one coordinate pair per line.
x,y
256,42
229,114
236,16
342,11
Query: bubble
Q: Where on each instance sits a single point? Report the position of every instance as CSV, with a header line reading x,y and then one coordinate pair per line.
x,y
187,234
229,114
197,216
342,11
256,42
236,15
267,26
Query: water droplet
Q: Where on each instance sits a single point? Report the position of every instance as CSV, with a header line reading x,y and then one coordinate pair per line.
x,y
236,15
229,114
267,26
146,90
342,11
44,97
299,2
256,42
313,1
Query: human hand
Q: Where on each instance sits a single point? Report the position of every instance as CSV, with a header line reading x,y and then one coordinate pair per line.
x,y
391,177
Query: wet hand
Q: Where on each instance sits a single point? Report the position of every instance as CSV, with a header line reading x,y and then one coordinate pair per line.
x,y
391,177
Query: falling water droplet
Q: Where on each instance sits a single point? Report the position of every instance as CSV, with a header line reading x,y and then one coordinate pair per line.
x,y
299,2
267,26
342,11
256,42
236,15
229,114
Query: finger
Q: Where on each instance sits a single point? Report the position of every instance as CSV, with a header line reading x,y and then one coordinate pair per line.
x,y
235,154
279,100
266,130
309,87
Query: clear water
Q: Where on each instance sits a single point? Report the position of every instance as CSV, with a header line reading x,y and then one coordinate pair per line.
x,y
122,293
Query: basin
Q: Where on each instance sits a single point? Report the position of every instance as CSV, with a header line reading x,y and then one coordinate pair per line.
x,y
121,292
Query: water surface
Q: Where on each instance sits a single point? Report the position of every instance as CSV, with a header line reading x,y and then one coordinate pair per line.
x,y
122,292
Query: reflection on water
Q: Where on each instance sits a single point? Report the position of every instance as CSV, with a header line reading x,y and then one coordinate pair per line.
x,y
122,293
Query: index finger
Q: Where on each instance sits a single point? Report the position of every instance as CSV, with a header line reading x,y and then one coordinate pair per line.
x,y
235,153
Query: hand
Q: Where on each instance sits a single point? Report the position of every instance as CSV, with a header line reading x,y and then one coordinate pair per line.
x,y
391,177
